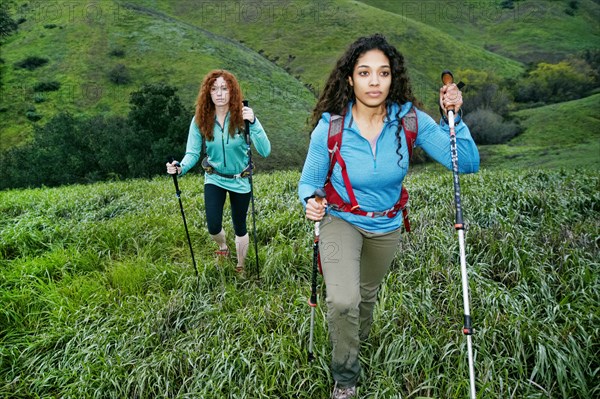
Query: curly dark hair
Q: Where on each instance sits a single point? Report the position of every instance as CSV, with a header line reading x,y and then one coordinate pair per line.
x,y
205,108
338,92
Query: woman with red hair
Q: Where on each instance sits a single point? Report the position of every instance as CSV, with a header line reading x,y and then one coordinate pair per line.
x,y
218,128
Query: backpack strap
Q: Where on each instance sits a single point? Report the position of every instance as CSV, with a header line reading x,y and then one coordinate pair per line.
x,y
410,124
334,143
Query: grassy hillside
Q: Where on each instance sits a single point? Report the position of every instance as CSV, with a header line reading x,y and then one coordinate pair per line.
x,y
307,37
98,297
177,42
156,49
530,31
277,48
559,135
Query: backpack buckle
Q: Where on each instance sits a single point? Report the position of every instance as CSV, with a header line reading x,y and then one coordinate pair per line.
x,y
208,168
247,171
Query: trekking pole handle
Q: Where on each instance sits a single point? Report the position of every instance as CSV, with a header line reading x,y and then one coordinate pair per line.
x,y
171,159
448,78
319,195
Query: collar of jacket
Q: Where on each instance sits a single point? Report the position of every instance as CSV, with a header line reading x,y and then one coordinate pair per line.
x,y
391,110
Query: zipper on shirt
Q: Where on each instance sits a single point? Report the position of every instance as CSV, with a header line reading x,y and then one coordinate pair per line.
x,y
223,147
222,140
374,153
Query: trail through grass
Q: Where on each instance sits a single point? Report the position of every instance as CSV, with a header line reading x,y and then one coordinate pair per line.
x,y
98,296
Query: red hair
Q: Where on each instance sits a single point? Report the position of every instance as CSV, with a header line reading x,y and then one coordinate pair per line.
x,y
205,108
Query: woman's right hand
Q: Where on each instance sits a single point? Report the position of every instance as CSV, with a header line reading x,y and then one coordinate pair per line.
x,y
450,98
173,168
315,210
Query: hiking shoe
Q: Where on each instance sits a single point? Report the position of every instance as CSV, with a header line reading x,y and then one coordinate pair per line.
x,y
222,253
343,393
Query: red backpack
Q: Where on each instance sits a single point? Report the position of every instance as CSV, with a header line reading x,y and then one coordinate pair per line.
x,y
334,142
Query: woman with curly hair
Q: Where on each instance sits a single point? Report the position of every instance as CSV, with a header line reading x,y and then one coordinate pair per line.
x,y
218,128
369,87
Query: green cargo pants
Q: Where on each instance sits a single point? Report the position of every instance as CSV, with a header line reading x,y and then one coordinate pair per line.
x,y
354,264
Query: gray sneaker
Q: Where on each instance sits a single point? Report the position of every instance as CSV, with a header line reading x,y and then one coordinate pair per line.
x,y
343,393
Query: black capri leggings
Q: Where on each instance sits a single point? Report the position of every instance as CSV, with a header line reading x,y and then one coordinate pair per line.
x,y
214,201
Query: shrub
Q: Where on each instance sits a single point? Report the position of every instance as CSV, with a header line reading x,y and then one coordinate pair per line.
x,y
552,83
160,122
118,52
32,115
46,86
61,152
592,58
70,149
487,127
119,75
31,63
484,90
7,25
107,145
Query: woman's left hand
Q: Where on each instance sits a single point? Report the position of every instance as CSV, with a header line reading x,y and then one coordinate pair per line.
x,y
450,98
248,114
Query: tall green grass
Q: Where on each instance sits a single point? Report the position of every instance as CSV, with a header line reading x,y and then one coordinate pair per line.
x,y
99,299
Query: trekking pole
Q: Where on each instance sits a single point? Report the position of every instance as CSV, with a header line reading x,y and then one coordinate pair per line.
x,y
247,135
178,193
448,78
319,195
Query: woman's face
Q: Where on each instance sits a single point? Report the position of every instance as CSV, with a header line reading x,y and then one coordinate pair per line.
x,y
371,78
219,93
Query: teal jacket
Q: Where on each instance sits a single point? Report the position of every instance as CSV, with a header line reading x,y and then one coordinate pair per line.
x,y
228,155
377,177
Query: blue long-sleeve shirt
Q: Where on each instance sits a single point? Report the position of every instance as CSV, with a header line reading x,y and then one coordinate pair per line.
x,y
377,177
226,154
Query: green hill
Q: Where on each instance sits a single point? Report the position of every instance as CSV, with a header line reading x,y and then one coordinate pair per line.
x,y
156,49
306,38
282,52
558,135
522,30
177,42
